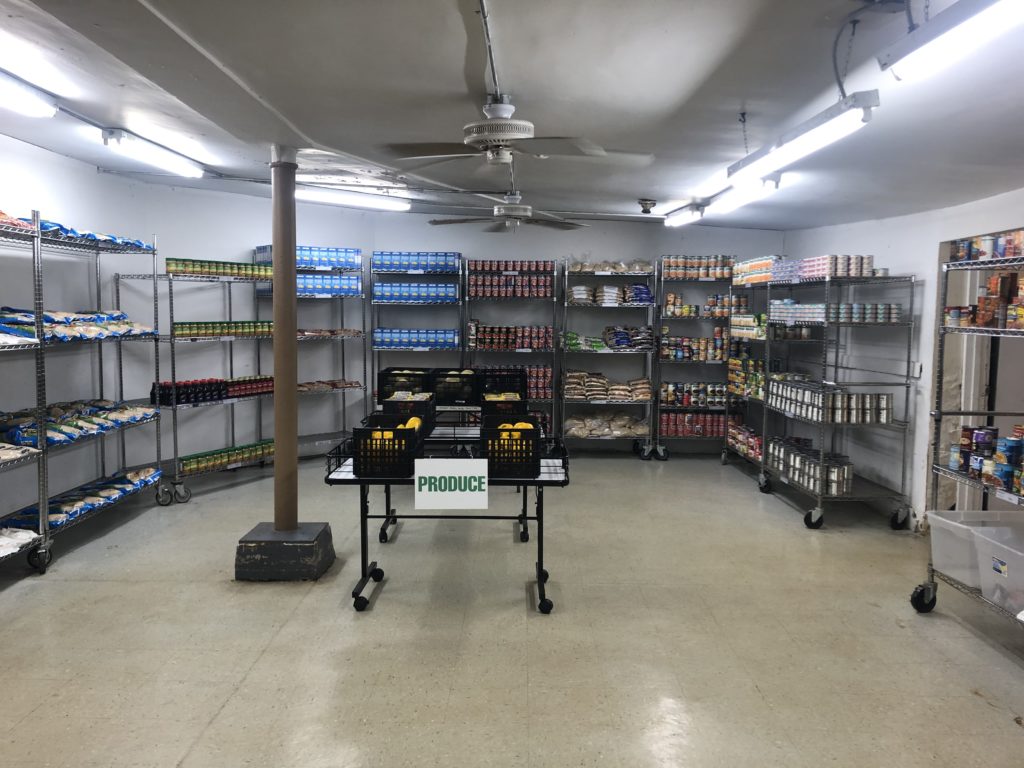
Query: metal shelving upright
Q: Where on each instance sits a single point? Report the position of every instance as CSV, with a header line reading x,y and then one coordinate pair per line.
x,y
660,451
924,595
643,447
835,337
745,401
473,355
41,242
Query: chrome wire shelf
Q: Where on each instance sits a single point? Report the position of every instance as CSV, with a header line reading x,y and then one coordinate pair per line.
x,y
1016,261
999,333
31,458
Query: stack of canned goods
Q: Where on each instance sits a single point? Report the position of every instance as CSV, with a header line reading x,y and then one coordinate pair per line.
x,y
829,404
510,266
1005,245
716,306
538,382
689,349
693,394
983,455
496,285
836,265
692,425
510,337
219,269
227,458
746,378
697,267
222,328
797,460
864,313
745,441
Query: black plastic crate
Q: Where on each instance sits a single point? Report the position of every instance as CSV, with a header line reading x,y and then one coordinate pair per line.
x,y
392,380
425,409
511,452
507,380
454,387
503,407
374,455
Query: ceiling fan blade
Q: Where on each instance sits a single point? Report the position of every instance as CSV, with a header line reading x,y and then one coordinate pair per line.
x,y
563,225
417,149
411,164
629,159
559,145
435,222
501,226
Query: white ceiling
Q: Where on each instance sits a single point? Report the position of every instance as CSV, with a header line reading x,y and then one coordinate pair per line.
x,y
667,77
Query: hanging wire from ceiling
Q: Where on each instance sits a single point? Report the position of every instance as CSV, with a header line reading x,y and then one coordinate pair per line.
x,y
746,138
850,17
849,47
911,26
484,19
927,10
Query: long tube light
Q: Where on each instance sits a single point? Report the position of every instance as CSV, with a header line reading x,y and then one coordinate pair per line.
x,y
22,98
354,199
741,195
683,216
136,148
950,37
827,127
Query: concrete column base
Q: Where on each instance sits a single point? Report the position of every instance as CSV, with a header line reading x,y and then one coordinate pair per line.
x,y
265,554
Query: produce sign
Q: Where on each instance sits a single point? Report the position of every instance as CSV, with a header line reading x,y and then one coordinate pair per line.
x,y
451,484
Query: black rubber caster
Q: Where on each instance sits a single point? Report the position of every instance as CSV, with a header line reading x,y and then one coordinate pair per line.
x,y
40,561
383,537
898,523
661,453
544,575
813,524
917,599
638,447
545,606
524,536
725,457
360,603
764,485
182,494
164,496
377,574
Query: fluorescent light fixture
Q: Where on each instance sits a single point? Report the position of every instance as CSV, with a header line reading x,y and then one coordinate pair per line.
x,y
741,195
684,216
353,199
24,60
835,123
136,148
712,185
951,36
24,99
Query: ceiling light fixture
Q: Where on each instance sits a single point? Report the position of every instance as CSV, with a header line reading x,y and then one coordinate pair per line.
x,y
835,123
951,36
136,148
742,195
353,199
22,98
683,216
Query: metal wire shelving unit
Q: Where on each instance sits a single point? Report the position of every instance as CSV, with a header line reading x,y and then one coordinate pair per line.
x,y
836,338
42,243
644,447
925,595
662,365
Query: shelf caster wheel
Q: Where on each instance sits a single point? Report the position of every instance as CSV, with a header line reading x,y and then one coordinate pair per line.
x,y
813,524
383,537
524,536
40,561
898,523
764,485
661,453
360,603
182,494
544,575
638,447
725,458
164,496
545,606
377,574
919,598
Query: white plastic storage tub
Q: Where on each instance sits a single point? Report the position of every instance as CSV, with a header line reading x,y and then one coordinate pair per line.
x,y
1001,565
953,550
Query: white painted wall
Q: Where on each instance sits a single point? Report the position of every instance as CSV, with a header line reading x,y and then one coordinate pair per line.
x,y
189,223
911,245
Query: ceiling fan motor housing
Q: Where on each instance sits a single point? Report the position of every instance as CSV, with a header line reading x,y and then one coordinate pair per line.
x,y
514,211
496,132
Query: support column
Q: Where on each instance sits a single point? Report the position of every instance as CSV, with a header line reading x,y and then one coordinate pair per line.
x,y
286,410
285,550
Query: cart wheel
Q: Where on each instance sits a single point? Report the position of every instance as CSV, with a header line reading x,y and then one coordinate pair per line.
x,y
377,574
661,453
813,524
383,537
544,575
524,536
725,457
917,599
164,496
764,485
896,522
545,606
360,603
40,562
455,450
182,494
638,447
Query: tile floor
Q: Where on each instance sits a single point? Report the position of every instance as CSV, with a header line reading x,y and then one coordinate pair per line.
x,y
696,623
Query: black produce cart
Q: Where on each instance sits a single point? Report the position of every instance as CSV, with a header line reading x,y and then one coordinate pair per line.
x,y
446,442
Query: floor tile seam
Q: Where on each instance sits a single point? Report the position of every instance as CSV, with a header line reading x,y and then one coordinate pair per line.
x,y
237,686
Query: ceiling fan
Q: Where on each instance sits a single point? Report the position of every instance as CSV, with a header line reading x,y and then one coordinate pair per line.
x,y
509,215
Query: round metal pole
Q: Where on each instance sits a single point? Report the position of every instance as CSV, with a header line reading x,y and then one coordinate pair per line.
x,y
286,414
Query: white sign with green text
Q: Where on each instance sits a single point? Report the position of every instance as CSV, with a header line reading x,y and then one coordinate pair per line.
x,y
451,484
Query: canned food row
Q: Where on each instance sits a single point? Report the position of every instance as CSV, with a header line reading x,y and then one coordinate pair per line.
x,y
494,286
797,461
510,265
692,425
510,337
831,406
223,459
218,268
